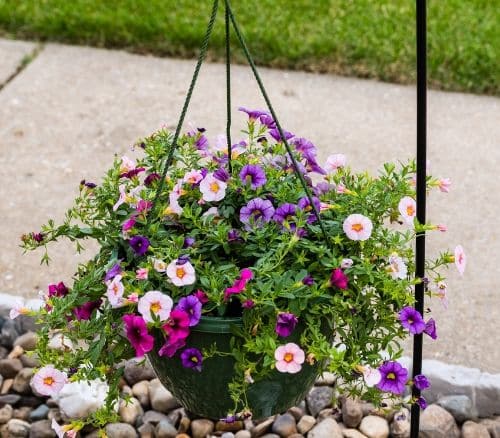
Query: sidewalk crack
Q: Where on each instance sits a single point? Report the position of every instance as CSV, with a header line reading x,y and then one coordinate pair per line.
x,y
25,61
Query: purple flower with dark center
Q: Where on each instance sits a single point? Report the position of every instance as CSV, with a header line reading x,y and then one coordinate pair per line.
x,y
276,134
305,204
139,244
192,306
182,260
257,212
253,174
393,377
188,242
58,290
421,382
84,312
430,328
151,178
339,279
308,280
113,272
38,237
267,119
422,403
132,173
285,323
222,174
253,114
322,188
412,320
233,235
192,358
248,304
285,216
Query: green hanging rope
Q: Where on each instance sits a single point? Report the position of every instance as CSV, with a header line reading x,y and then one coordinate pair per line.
x,y
173,147
228,89
273,114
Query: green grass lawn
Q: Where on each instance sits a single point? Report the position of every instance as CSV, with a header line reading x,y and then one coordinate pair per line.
x,y
365,38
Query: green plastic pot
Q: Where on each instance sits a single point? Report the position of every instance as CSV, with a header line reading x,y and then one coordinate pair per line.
x,y
206,393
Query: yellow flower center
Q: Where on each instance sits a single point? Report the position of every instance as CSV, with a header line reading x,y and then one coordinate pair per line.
x,y
49,381
410,211
391,376
357,227
288,357
214,187
155,307
194,359
180,272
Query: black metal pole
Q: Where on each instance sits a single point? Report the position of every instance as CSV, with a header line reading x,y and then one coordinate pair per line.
x,y
421,195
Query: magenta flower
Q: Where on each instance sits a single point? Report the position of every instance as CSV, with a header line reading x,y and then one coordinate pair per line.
x,y
128,224
192,306
430,328
393,377
137,334
240,283
339,279
421,382
143,206
139,244
151,178
113,272
192,358
202,296
412,320
177,326
253,174
58,290
257,212
285,324
133,172
248,304
38,237
84,312
171,347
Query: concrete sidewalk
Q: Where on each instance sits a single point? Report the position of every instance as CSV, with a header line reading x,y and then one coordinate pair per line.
x,y
69,111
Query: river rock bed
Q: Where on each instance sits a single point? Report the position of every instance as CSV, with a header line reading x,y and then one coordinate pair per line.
x,y
153,412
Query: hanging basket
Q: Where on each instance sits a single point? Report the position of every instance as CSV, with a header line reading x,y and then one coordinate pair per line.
x,y
205,393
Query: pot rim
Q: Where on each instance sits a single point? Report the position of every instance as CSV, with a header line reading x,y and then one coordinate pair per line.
x,y
217,324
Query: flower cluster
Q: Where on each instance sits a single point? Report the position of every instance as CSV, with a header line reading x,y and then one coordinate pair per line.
x,y
319,276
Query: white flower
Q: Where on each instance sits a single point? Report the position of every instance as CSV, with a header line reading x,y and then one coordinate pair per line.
x,y
408,209
212,189
212,211
397,267
371,375
60,342
460,259
48,381
335,162
159,265
193,177
115,291
358,227
127,164
157,303
181,274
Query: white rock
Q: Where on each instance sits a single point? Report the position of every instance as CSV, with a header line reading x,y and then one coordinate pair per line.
x,y
374,427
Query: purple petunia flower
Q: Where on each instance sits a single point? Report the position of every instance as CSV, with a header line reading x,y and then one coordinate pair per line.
x,y
254,175
151,178
285,215
285,323
84,312
257,212
113,272
192,306
308,280
171,346
276,134
38,237
192,358
253,114
322,188
422,403
393,377
430,328
421,382
188,242
305,204
201,143
222,174
139,244
267,119
133,172
233,235
412,320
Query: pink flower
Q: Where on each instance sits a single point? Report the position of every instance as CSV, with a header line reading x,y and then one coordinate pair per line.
x,y
441,227
460,259
408,209
133,298
193,177
346,263
202,296
122,198
358,227
65,431
339,279
181,272
115,291
212,189
177,326
156,303
397,267
127,164
48,381
137,334
239,284
159,265
440,289
371,375
18,309
171,347
340,189
444,184
289,358
335,162
143,206
141,274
